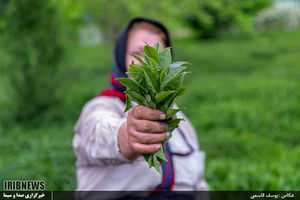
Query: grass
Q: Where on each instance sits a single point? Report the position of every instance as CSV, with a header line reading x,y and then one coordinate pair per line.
x,y
243,99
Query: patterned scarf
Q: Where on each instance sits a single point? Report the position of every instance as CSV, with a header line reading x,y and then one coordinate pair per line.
x,y
116,89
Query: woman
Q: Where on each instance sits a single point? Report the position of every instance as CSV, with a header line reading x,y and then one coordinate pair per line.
x,y
109,143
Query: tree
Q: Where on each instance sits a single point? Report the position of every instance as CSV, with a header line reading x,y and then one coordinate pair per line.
x,y
206,17
32,38
209,18
112,16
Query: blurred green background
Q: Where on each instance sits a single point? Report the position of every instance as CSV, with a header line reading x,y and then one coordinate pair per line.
x,y
243,96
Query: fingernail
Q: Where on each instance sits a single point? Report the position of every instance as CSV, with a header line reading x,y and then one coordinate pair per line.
x,y
158,146
167,134
162,123
163,116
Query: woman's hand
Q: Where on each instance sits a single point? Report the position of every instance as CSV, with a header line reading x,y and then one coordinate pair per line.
x,y
143,132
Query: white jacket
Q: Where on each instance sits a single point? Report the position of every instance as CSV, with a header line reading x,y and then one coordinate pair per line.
x,y
101,166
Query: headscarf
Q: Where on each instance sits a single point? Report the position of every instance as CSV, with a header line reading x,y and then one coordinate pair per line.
x,y
119,62
116,89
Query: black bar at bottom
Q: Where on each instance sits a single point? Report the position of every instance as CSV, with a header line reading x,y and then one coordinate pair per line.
x,y
148,195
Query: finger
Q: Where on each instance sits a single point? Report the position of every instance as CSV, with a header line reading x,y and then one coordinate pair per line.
x,y
147,126
146,148
143,112
150,138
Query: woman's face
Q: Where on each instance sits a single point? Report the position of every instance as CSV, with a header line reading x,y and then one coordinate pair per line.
x,y
136,43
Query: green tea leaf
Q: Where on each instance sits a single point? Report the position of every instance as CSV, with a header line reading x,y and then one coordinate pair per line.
x,y
168,102
147,60
150,103
156,164
170,112
162,75
151,79
175,69
174,83
172,124
174,72
164,104
160,154
134,68
130,84
180,92
152,64
149,159
162,95
158,47
138,58
178,64
138,78
136,73
151,53
152,95
128,103
165,59
136,97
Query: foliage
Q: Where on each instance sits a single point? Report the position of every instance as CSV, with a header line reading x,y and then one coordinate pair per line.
x,y
2,8
209,18
206,18
243,101
279,18
106,14
33,43
155,83
245,108
39,153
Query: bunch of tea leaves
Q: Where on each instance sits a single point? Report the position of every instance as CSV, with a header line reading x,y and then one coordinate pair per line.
x,y
155,83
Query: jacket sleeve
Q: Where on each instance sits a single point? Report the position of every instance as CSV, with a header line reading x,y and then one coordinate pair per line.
x,y
96,133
